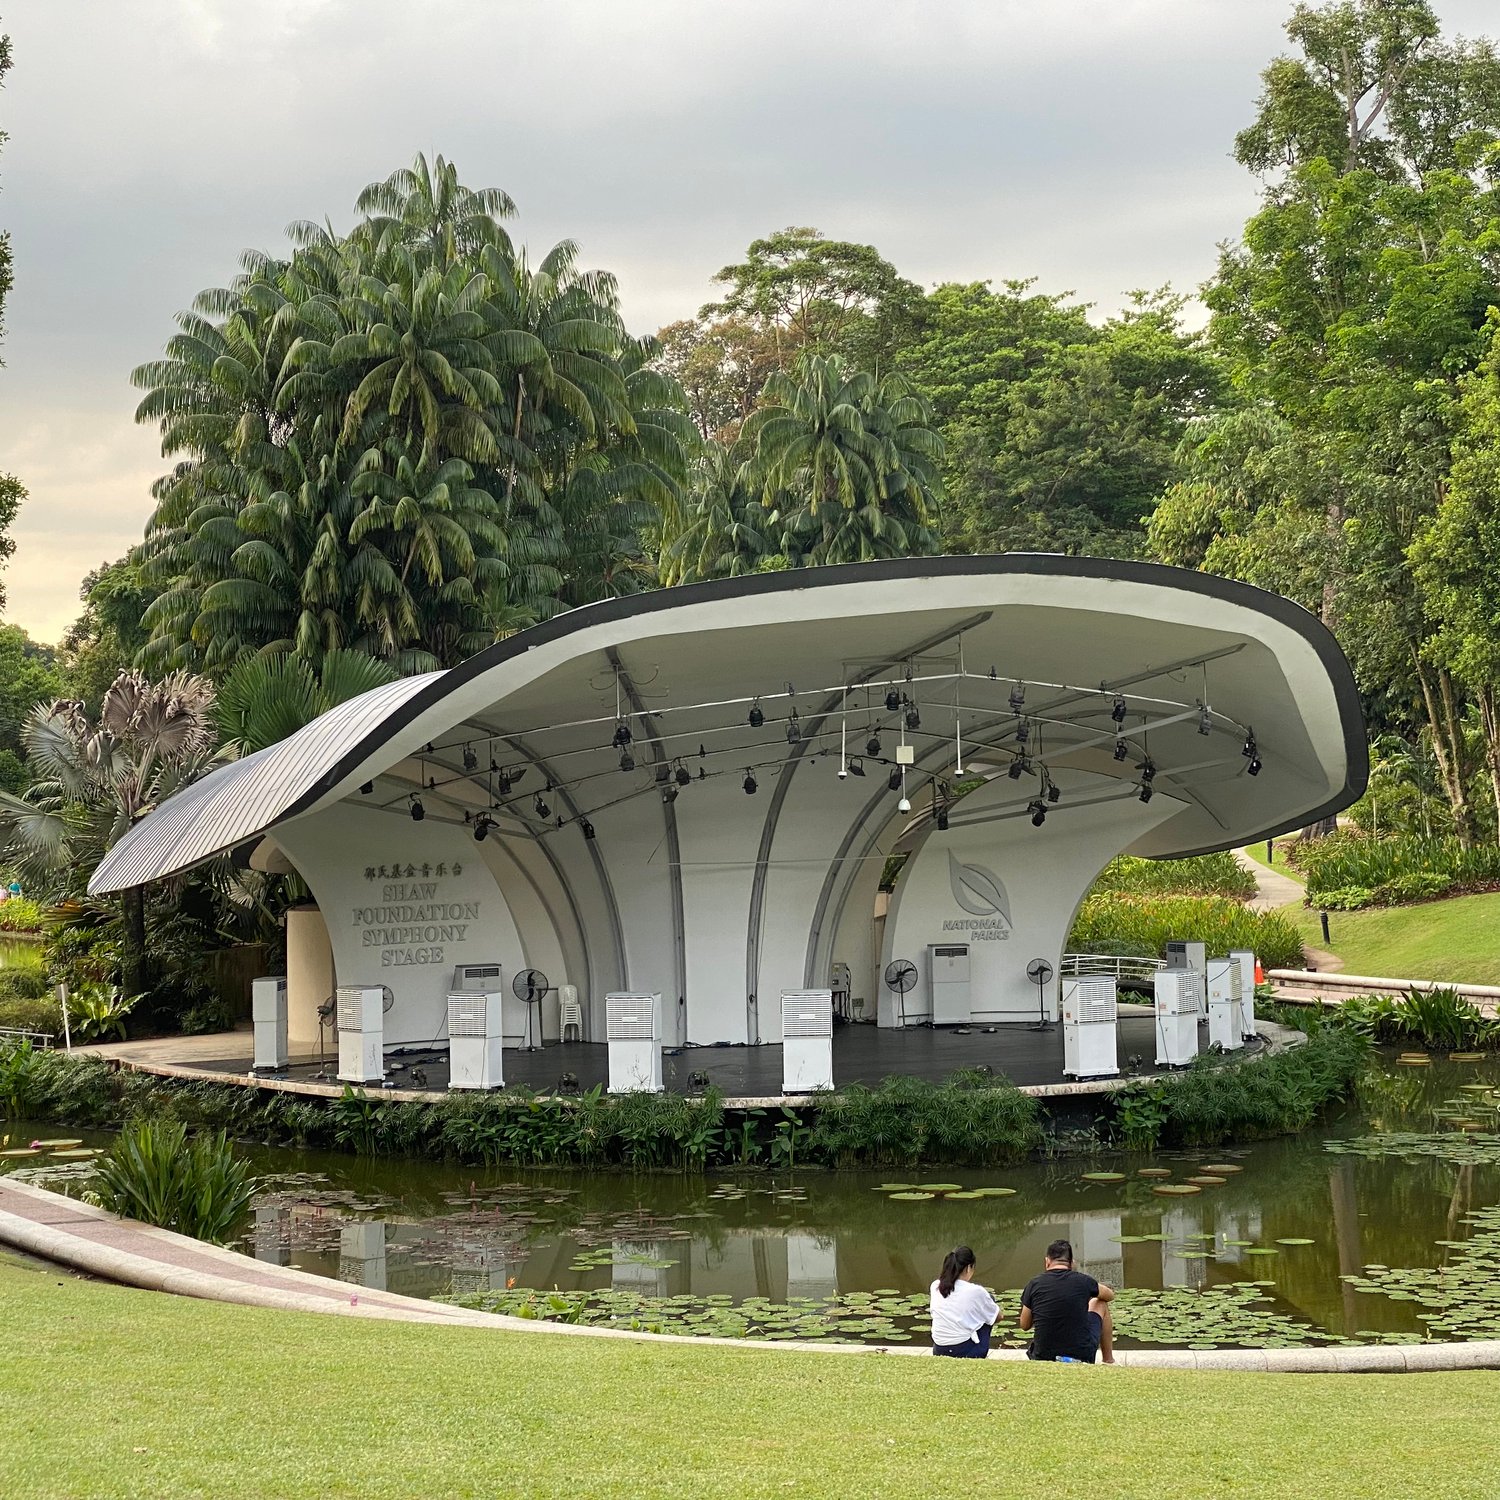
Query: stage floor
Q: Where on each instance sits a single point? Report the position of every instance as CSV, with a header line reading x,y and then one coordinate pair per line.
x,y
861,1054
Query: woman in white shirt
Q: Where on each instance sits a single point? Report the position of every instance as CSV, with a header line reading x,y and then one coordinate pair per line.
x,y
962,1311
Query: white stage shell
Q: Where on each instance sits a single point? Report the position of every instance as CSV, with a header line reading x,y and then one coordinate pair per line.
x,y
647,866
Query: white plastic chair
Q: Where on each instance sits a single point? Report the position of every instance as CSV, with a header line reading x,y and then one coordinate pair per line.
x,y
570,1012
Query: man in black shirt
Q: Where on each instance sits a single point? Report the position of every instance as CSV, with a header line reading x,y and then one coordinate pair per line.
x,y
1068,1311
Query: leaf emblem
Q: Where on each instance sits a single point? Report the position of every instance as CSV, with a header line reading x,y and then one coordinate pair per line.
x,y
977,890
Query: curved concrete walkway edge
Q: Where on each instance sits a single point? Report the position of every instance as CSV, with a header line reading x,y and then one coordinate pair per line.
x,y
89,1239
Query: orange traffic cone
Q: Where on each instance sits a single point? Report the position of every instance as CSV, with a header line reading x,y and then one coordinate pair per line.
x,y
1260,973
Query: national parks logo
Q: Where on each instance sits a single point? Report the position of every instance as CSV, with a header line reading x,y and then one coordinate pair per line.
x,y
980,893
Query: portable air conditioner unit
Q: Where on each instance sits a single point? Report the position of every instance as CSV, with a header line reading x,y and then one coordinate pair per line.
x,y
806,1041
1224,1004
1193,956
484,979
268,1007
475,1040
1246,960
1090,1012
1176,1017
948,975
361,1018
632,1028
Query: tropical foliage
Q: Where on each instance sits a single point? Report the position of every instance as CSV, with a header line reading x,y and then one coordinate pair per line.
x,y
1346,871
1124,923
405,440
155,1174
1202,875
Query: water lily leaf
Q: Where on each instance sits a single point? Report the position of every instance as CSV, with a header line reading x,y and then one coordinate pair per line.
x,y
1204,1180
1295,1240
1222,1168
941,1187
1154,1172
1103,1176
910,1197
1176,1189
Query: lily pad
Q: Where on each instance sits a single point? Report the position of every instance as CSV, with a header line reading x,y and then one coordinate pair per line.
x,y
1154,1172
21,1151
1222,1168
941,1187
1176,1189
54,1144
910,1197
1205,1180
1103,1176
953,1196
1466,1057
1295,1240
1262,1250
82,1153
995,1192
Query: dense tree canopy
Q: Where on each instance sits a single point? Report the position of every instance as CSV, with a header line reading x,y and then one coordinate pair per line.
x,y
12,492
406,440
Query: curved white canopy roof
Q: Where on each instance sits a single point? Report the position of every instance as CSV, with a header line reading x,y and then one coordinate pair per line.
x,y
1206,669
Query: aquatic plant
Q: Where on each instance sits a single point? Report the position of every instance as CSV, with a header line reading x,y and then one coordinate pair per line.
x,y
158,1175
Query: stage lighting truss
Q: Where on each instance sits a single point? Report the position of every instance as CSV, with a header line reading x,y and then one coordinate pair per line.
x,y
994,714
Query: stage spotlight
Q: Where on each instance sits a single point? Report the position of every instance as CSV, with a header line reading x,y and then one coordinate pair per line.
x,y
892,701
1038,811
1147,768
418,812
1117,713
757,718
1249,747
471,761
542,810
1146,792
1253,768
913,718
1052,791
1017,697
683,775
622,735
1205,719
1121,749
893,781
669,794
856,767
793,729
504,784
872,745
366,789
750,783
482,825
1023,732
1015,769
586,828
627,760
904,805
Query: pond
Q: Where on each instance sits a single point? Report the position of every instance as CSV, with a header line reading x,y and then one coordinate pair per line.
x,y
1382,1227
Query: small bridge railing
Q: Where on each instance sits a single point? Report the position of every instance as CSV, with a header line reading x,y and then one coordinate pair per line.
x,y
1119,965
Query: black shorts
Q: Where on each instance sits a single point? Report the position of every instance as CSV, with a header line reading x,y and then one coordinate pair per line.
x,y
1084,1356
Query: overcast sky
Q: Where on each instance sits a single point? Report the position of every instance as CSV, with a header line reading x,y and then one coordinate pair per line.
x,y
1084,142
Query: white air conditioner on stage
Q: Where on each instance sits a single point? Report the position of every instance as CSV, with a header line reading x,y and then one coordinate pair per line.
x,y
1246,960
268,1008
1176,1016
806,1041
475,1040
1192,956
361,1018
1224,1004
632,1027
948,976
484,979
1090,1013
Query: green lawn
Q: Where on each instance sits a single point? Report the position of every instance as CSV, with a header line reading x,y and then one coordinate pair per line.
x,y
1457,939
108,1391
1257,852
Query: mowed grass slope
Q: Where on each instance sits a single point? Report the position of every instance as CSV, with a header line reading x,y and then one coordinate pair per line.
x,y
114,1392
1456,939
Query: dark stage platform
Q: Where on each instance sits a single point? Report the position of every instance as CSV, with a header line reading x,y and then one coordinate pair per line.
x,y
861,1054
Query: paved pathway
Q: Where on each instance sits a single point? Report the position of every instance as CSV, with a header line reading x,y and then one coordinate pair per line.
x,y
1272,888
88,1239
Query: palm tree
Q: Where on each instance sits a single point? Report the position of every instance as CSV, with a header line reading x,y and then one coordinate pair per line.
x,y
427,207
848,464
97,777
265,698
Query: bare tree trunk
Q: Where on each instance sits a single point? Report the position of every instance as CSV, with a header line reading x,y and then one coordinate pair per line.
x,y
1447,745
133,978
1489,717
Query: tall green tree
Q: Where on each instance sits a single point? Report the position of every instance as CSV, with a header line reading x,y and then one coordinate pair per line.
x,y
1349,315
406,440
1060,432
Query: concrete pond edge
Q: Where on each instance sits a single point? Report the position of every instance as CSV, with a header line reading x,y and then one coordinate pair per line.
x,y
302,1291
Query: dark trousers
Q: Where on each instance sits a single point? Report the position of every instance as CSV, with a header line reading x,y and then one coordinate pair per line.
x,y
976,1348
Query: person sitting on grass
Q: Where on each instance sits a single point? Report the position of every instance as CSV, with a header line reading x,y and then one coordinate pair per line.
x,y
1067,1311
963,1313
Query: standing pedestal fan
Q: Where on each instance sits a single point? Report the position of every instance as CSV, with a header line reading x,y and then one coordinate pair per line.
x,y
530,987
900,976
